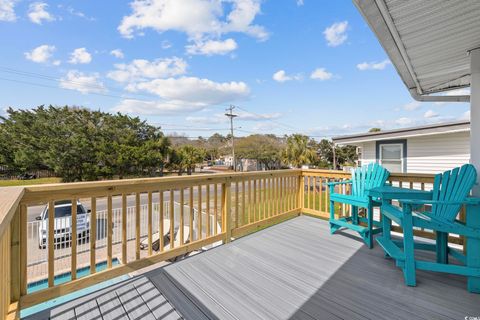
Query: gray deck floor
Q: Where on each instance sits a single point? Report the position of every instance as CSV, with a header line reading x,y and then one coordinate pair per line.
x,y
294,270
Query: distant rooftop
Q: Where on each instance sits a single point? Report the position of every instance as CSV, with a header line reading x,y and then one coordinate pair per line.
x,y
438,128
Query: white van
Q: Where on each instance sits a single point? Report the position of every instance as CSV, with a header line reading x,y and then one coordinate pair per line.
x,y
63,222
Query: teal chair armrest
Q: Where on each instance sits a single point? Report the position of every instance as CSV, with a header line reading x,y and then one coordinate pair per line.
x,y
414,202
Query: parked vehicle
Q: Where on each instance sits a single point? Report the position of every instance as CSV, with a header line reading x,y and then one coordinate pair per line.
x,y
63,223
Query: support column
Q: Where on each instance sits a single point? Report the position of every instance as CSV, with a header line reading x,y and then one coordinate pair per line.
x,y
475,113
473,214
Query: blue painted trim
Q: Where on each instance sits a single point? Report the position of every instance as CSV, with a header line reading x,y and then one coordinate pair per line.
x,y
398,141
71,296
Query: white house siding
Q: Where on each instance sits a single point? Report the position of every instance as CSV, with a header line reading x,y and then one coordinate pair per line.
x,y
429,154
368,152
437,153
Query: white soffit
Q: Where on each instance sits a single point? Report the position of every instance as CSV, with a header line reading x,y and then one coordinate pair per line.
x,y
426,40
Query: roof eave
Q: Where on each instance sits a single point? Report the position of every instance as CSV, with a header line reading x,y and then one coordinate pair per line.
x,y
380,22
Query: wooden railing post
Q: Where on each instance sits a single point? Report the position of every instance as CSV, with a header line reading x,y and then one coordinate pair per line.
x,y
301,188
226,211
15,230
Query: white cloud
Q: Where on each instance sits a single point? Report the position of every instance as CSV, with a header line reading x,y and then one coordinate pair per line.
x,y
458,92
197,18
248,116
414,105
465,116
300,3
76,80
185,94
75,12
215,119
80,55
195,90
117,53
7,10
429,114
212,47
404,121
156,107
40,54
166,44
321,74
336,34
141,69
373,65
37,13
281,76
243,116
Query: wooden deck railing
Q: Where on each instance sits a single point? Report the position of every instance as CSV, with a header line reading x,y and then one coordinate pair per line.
x,y
180,215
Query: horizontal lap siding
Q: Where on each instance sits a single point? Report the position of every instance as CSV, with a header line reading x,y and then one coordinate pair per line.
x,y
368,152
437,153
429,154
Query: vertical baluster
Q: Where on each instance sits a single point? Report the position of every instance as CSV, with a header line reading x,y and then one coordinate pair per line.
x,y
208,209
171,212
51,242
279,195
199,222
93,234
124,228
254,200
244,203
236,204
272,196
109,231
149,222
249,201
264,198
23,249
327,196
73,225
308,191
161,214
182,212
215,207
190,194
137,226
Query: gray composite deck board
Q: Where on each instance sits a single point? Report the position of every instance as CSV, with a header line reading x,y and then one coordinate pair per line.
x,y
296,270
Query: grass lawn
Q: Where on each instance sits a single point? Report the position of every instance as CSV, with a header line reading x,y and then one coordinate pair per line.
x,y
13,183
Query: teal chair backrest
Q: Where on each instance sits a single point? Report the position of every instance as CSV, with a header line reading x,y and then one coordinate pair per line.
x,y
367,177
452,185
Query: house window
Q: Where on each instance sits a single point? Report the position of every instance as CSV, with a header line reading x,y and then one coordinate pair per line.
x,y
391,157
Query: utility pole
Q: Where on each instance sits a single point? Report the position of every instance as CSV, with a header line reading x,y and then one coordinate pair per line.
x,y
231,116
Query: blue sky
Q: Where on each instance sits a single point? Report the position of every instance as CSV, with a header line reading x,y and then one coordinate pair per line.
x,y
308,66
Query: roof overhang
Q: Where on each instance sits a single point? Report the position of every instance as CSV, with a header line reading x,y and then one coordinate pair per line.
x,y
428,42
435,129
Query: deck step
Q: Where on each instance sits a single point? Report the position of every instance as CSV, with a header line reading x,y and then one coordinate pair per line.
x,y
351,226
391,249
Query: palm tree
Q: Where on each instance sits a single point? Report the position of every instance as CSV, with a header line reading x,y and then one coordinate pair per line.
x,y
298,151
190,156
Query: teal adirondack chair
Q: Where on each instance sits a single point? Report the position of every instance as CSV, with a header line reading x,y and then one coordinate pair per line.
x,y
450,191
363,178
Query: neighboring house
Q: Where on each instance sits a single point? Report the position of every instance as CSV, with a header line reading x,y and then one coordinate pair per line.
x,y
244,165
424,149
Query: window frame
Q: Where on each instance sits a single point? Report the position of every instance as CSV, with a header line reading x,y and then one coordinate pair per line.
x,y
403,151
